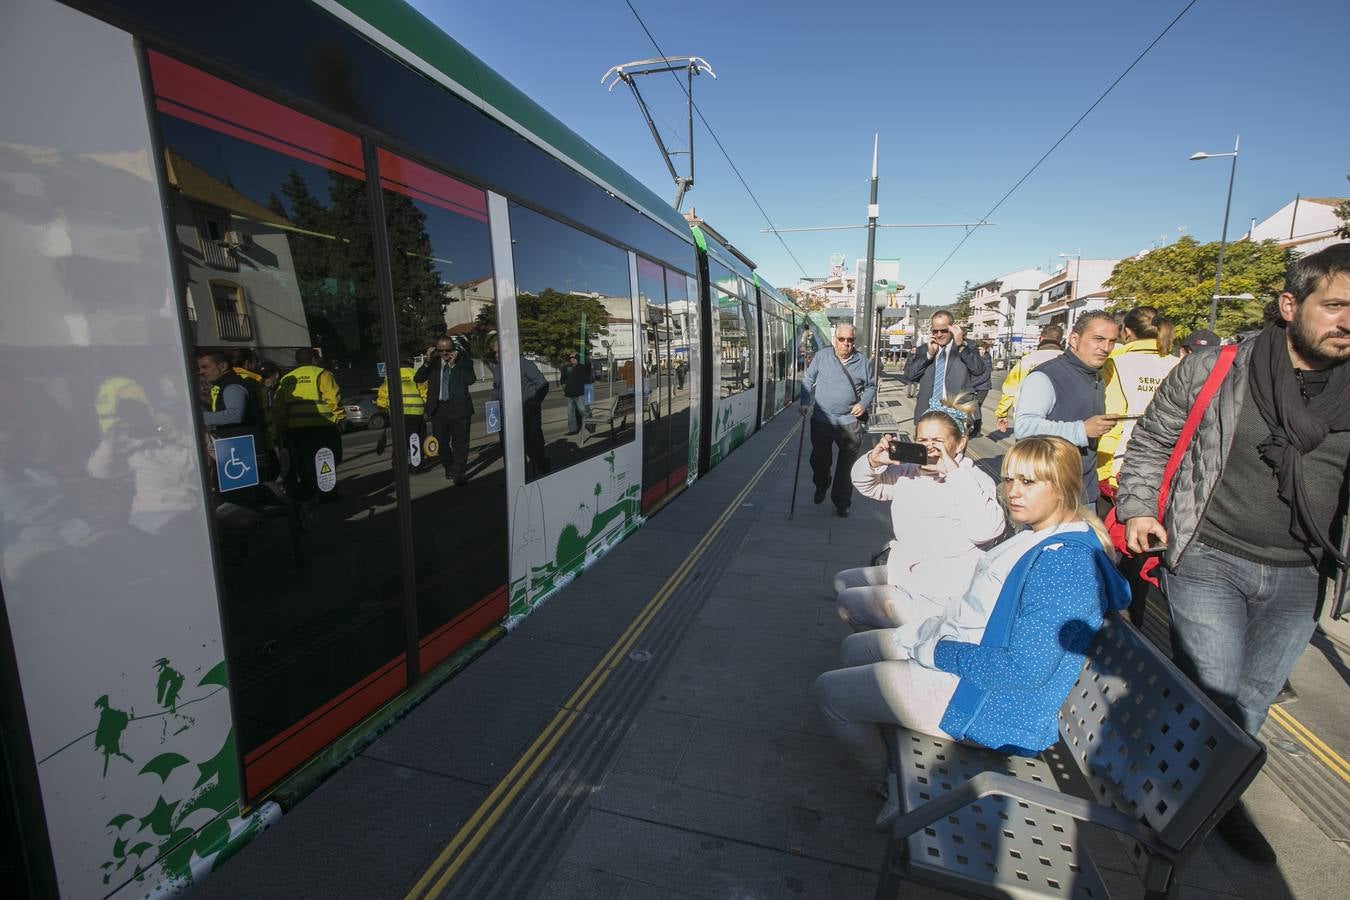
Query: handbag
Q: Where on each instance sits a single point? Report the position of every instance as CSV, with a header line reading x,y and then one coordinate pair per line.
x,y
857,398
1114,527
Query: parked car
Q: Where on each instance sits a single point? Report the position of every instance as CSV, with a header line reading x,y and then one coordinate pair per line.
x,y
362,411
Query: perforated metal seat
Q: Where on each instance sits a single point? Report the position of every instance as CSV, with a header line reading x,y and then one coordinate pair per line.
x,y
1161,760
997,846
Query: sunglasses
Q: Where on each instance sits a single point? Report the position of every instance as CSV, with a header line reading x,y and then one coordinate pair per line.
x,y
942,331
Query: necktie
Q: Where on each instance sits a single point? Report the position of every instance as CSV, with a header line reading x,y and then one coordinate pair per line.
x,y
939,380
445,381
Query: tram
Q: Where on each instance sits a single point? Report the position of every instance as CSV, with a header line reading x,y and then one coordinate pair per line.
x,y
195,622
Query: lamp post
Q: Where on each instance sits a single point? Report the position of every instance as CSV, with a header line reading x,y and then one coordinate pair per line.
x,y
1223,238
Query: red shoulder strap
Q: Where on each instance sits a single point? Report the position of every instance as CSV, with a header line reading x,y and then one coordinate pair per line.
x,y
1202,400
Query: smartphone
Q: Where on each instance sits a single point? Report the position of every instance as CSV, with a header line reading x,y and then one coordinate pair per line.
x,y
906,452
1154,548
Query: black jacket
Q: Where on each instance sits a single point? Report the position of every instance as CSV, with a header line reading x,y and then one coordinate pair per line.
x,y
458,406
964,365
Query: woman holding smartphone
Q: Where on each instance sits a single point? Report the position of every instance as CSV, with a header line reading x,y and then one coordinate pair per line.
x,y
942,509
995,669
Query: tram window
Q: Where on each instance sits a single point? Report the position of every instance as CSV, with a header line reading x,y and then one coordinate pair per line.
x,y
733,338
573,295
311,610
440,255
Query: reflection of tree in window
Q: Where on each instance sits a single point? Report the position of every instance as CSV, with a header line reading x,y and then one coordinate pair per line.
x,y
334,266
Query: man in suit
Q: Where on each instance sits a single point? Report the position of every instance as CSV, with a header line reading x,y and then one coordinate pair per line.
x,y
946,367
448,374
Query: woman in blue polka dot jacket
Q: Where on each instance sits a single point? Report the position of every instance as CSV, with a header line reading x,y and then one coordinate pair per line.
x,y
995,669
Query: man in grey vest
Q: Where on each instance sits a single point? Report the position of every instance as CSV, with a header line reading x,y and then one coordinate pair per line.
x,y
838,386
1066,397
1256,529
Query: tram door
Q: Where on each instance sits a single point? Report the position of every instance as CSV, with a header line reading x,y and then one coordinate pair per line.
x,y
664,301
441,271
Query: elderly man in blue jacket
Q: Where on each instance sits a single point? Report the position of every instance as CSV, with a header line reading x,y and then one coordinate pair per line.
x,y
838,386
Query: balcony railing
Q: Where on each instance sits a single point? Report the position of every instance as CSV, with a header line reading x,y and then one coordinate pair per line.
x,y
233,326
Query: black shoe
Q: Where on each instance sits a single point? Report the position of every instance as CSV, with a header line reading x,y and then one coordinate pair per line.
x,y
448,476
1240,832
841,512
820,494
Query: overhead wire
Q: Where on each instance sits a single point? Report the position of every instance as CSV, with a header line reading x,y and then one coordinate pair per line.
x,y
1062,138
716,140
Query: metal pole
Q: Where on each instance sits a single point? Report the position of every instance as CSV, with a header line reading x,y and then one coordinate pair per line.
x,y
1223,239
872,212
801,439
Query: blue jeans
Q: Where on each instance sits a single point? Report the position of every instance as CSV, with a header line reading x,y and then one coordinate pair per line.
x,y
1238,627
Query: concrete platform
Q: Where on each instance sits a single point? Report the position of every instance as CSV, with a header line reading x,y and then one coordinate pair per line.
x,y
638,738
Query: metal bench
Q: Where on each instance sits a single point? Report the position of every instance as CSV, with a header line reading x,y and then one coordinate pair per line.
x,y
1161,761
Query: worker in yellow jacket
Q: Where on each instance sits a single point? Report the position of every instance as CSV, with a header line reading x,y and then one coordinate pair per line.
x,y
414,406
309,417
1132,374
1051,345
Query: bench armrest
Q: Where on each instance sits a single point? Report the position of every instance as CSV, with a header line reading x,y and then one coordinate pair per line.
x,y
989,783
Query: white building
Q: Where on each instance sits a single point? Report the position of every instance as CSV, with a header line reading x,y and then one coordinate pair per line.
x,y
1305,224
999,310
1074,289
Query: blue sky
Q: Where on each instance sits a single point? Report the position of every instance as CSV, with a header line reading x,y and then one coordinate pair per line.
x,y
965,97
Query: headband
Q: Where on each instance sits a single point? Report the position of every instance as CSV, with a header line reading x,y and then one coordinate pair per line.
x,y
954,414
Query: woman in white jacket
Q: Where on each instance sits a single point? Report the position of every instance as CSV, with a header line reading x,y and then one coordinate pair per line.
x,y
941,512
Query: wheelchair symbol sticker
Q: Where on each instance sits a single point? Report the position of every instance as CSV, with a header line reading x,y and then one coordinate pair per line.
x,y
236,463
325,469
493,408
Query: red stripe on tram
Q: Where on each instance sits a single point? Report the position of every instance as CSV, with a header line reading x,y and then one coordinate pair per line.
x,y
190,87
437,646
285,752
406,176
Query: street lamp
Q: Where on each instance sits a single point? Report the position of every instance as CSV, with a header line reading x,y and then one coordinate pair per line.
x,y
1223,239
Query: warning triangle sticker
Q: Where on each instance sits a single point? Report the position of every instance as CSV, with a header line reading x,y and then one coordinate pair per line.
x,y
325,469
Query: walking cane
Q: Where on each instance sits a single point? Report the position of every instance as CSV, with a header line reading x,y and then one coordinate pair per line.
x,y
801,438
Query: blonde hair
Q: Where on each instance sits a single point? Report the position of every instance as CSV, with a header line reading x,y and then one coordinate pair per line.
x,y
1058,463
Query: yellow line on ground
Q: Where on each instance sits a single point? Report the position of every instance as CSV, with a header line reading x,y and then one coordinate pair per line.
x,y
1315,745
467,839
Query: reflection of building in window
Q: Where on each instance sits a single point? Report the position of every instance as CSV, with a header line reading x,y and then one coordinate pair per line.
x,y
232,321
465,302
205,210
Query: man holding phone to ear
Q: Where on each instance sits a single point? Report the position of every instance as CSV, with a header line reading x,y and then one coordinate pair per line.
x,y
945,366
836,390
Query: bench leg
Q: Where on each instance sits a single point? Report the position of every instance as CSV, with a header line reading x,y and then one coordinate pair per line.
x,y
891,811
888,885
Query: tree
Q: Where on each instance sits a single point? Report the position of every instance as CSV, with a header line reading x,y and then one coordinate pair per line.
x,y
550,323
1179,280
960,310
804,299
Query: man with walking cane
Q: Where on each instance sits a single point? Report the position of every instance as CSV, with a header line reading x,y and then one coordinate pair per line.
x,y
836,391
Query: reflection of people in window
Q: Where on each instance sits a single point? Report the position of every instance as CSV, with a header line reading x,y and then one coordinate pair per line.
x,y
309,415
160,461
533,389
575,376
448,373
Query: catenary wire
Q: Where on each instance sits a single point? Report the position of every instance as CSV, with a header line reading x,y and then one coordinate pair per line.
x,y
713,135
1062,138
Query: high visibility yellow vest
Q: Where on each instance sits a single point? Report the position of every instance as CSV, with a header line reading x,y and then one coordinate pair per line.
x,y
114,389
308,398
414,394
1132,375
